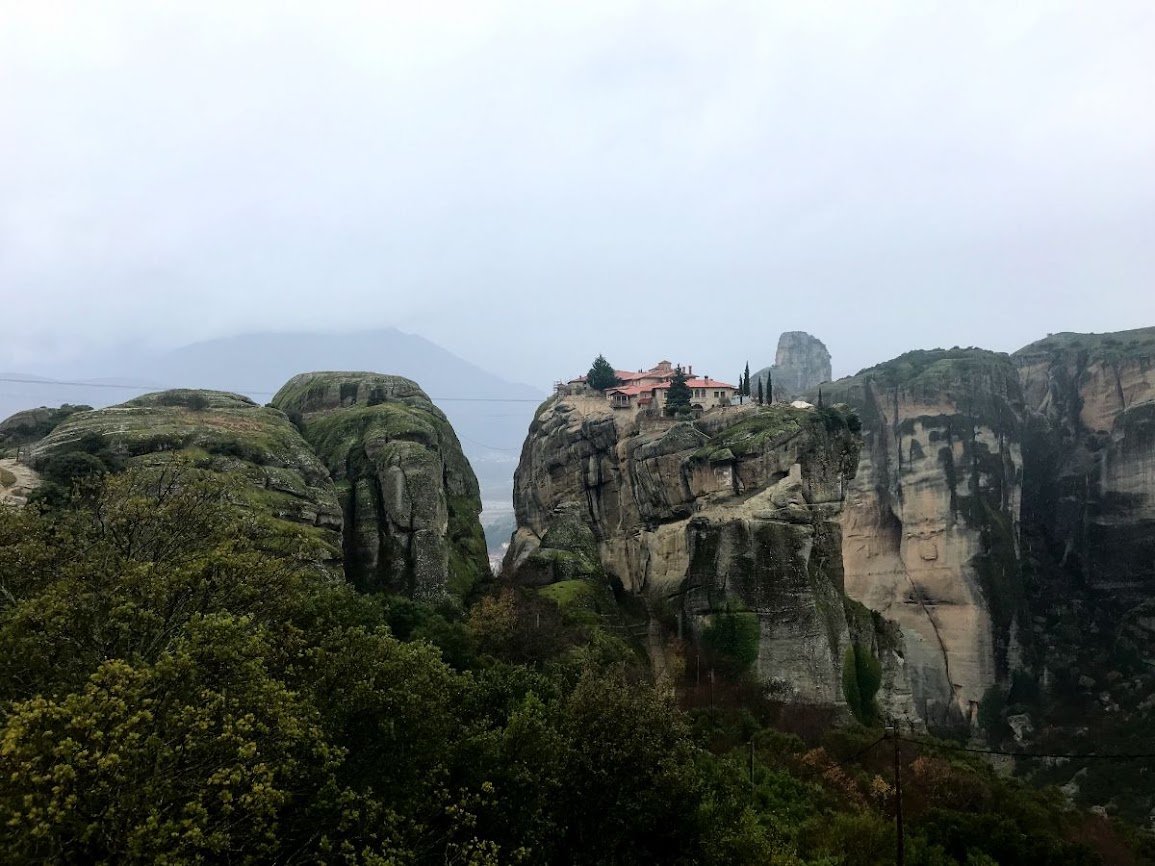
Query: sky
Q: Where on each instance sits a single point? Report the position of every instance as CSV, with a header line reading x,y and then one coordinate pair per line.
x,y
531,183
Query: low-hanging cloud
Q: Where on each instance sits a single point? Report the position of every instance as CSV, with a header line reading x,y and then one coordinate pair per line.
x,y
532,183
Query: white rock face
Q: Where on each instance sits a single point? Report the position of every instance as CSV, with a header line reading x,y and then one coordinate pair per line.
x,y
930,524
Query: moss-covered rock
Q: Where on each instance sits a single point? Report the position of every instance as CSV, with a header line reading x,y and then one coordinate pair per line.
x,y
279,476
409,496
32,425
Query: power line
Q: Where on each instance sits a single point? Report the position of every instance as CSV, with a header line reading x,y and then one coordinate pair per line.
x,y
122,386
1134,756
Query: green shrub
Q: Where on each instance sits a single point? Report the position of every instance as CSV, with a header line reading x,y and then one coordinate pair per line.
x,y
732,637
861,679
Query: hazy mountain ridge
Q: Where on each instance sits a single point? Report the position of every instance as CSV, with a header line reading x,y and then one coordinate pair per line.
x,y
489,413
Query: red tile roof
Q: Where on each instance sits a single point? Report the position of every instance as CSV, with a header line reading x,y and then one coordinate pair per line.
x,y
708,383
630,380
632,390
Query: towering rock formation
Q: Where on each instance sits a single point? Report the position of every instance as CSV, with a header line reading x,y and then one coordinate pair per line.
x,y
1091,454
930,524
733,515
226,433
1088,536
801,363
409,497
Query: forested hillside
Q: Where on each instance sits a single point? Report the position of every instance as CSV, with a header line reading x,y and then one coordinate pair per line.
x,y
180,686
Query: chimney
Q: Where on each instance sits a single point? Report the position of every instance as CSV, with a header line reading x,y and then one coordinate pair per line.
x,y
691,369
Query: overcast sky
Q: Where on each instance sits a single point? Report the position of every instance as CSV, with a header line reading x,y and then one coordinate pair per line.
x,y
529,184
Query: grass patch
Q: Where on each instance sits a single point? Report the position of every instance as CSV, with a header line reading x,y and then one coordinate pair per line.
x,y
754,433
569,593
7,479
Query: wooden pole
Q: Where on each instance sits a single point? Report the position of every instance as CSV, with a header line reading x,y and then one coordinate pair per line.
x,y
900,852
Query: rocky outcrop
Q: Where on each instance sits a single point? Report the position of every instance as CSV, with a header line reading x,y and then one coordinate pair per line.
x,y
930,524
728,522
802,362
221,432
1091,454
32,425
409,497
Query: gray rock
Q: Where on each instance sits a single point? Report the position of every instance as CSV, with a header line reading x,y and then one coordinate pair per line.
x,y
409,497
801,363
1021,726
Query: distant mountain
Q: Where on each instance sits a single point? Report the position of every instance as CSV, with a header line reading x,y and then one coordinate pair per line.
x,y
490,414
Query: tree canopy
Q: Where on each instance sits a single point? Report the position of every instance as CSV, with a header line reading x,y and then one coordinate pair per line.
x,y
602,375
181,683
678,395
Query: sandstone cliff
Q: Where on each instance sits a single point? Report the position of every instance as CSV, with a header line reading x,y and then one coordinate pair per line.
x,y
930,525
730,517
226,433
409,497
1091,455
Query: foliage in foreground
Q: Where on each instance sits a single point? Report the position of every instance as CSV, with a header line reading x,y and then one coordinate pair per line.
x,y
179,686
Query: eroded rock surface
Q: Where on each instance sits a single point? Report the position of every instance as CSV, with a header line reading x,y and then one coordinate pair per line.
x,y
801,362
733,514
32,425
930,525
408,495
221,432
1092,453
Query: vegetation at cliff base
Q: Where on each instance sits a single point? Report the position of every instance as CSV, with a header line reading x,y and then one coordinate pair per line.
x,y
178,685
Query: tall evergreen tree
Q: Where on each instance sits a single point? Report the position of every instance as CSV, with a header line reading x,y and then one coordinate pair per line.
x,y
746,387
602,375
769,388
761,399
678,396
819,398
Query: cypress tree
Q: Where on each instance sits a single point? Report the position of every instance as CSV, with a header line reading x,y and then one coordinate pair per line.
x,y
761,399
678,396
769,388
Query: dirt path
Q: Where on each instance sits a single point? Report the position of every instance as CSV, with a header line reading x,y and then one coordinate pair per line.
x,y
15,492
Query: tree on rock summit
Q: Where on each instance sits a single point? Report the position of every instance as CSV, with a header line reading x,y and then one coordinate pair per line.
x,y
602,375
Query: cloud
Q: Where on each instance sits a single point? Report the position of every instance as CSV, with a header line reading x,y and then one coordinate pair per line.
x,y
532,183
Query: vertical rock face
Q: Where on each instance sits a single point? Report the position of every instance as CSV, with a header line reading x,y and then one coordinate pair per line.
x,y
930,525
801,363
734,514
409,497
1091,460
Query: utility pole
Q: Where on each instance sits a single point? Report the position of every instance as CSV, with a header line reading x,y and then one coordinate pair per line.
x,y
900,851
